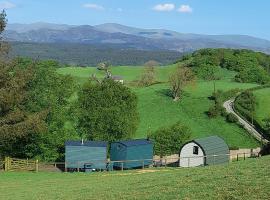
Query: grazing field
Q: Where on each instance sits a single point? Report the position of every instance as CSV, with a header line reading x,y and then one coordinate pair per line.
x,y
248,179
157,109
262,104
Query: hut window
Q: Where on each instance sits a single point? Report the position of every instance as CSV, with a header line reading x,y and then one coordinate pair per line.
x,y
195,150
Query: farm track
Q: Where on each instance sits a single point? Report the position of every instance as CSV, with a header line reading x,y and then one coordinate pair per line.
x,y
229,106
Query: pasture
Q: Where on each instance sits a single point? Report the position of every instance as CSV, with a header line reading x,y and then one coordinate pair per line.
x,y
248,179
157,109
262,104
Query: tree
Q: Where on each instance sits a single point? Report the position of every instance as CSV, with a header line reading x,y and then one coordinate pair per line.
x,y
149,74
34,104
4,46
105,66
168,140
179,79
17,124
209,73
151,63
107,111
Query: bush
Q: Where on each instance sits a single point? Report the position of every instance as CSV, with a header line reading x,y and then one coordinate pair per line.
x,y
216,110
231,118
168,140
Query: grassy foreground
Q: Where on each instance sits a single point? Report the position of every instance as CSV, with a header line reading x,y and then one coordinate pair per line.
x,y
157,109
248,179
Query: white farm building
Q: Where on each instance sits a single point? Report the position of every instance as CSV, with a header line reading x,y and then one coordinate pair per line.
x,y
205,151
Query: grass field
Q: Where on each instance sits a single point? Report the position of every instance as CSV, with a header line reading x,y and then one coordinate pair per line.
x,y
248,179
157,109
262,104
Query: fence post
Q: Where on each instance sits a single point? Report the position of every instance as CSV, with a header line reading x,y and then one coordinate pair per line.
x,y
6,164
143,164
122,166
237,157
65,167
36,165
244,156
165,161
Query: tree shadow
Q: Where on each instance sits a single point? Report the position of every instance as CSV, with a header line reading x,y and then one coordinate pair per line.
x,y
164,92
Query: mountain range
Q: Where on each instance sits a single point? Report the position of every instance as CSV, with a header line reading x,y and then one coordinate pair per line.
x,y
127,37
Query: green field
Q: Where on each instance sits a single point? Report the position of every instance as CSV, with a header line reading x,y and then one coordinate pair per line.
x,y
262,104
248,179
156,109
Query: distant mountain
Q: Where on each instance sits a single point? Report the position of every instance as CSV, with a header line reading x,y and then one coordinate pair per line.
x,y
129,37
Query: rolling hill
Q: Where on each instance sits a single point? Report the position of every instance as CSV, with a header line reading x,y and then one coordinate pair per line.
x,y
156,109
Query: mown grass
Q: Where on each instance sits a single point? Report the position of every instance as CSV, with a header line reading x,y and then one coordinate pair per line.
x,y
248,179
262,105
157,109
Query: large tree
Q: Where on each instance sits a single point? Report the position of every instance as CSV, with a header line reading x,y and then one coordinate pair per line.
x,y
107,111
179,79
148,76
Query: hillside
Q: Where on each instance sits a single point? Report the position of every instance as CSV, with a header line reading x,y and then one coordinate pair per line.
x,y
262,110
156,109
240,180
91,55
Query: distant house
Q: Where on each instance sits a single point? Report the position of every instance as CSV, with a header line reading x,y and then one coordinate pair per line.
x,y
118,79
138,152
78,154
205,151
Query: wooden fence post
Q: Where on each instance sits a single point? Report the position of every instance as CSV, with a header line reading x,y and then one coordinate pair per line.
x,y
36,165
122,166
143,164
6,164
244,156
165,161
237,156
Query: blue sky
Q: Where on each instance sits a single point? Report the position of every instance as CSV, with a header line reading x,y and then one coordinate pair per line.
x,y
249,17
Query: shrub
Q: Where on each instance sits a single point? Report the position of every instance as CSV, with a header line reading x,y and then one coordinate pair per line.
x,y
216,110
168,140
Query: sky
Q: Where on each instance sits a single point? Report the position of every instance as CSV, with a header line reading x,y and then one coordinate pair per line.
x,y
247,17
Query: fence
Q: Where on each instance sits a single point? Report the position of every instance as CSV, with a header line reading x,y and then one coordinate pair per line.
x,y
11,164
170,161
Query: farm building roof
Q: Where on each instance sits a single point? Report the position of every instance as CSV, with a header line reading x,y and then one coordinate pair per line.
x,y
213,145
135,142
87,143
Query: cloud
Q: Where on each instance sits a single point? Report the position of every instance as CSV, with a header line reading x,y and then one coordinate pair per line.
x,y
185,9
93,6
164,7
6,5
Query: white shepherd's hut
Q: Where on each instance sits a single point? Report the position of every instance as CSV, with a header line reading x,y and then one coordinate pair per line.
x,y
205,151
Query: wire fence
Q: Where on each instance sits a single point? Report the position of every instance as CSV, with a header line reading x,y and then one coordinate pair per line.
x,y
11,164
